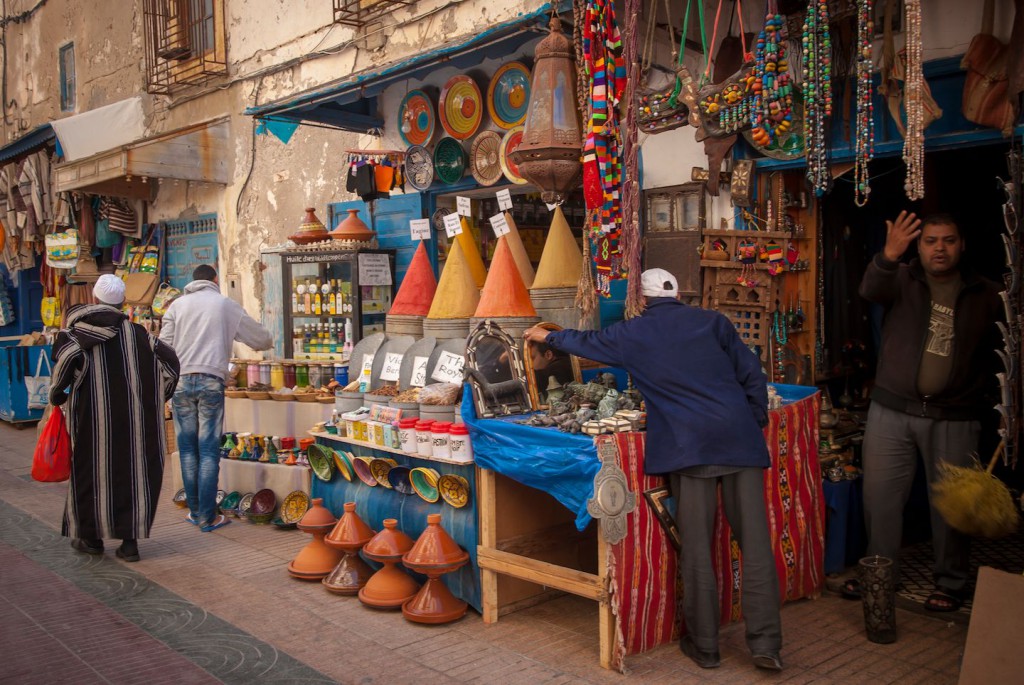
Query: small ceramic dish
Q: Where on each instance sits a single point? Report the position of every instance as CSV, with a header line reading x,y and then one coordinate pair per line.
x,y
361,467
343,464
244,504
454,490
398,479
221,494
229,505
321,460
379,468
260,518
424,481
263,502
180,499
281,523
294,506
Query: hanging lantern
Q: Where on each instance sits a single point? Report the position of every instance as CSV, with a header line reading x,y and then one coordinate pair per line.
x,y
549,155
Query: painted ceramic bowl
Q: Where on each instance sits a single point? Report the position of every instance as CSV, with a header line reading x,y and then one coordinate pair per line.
x,y
281,523
321,460
343,465
180,499
424,481
260,518
294,506
398,478
263,502
221,494
245,503
379,470
229,505
454,490
361,467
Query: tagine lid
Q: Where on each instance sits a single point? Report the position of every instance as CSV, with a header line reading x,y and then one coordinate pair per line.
x,y
317,517
350,531
353,228
310,230
435,548
389,544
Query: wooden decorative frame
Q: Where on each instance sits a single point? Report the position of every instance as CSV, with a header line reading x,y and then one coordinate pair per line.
x,y
496,398
531,381
657,497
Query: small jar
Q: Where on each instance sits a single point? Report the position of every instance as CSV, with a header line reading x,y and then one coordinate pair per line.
x,y
424,439
316,375
287,443
302,374
407,435
439,440
341,374
459,446
265,373
289,374
252,373
276,375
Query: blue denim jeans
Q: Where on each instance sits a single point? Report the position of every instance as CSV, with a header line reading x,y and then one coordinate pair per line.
x,y
198,417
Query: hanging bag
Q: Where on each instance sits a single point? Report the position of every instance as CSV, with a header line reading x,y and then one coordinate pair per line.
x,y
51,462
984,101
675,106
140,286
165,295
38,386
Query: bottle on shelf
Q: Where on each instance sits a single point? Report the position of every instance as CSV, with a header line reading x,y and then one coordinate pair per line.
x,y
332,299
317,300
295,297
307,298
347,345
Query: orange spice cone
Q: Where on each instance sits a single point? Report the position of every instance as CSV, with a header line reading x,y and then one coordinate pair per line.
x,y
561,263
457,295
471,252
515,243
418,286
504,293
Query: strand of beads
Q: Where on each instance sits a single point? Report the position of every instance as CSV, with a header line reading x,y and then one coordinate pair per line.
x,y
817,73
913,87
781,334
770,84
865,134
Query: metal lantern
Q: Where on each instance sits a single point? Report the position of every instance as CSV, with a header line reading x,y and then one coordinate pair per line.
x,y
549,155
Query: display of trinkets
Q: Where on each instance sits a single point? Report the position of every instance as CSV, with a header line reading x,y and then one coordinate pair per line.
x,y
592,408
865,133
913,141
817,74
771,112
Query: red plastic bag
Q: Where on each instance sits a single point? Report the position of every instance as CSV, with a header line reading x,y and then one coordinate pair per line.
x,y
51,462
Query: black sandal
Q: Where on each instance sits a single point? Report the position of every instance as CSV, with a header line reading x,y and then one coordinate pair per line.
x,y
943,602
850,589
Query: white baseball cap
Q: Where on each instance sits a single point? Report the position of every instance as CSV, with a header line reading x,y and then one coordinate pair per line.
x,y
109,289
658,283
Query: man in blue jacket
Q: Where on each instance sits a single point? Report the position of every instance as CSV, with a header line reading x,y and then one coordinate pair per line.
x,y
707,401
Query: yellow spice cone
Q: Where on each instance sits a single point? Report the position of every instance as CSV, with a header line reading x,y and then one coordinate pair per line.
x,y
515,244
471,253
504,293
457,295
561,263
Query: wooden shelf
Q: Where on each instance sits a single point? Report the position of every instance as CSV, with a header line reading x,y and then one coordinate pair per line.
x,y
730,233
374,446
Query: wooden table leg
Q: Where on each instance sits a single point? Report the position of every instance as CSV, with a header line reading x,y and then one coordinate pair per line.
x,y
605,616
488,540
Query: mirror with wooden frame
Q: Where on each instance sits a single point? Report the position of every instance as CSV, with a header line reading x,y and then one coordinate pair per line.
x,y
548,369
494,369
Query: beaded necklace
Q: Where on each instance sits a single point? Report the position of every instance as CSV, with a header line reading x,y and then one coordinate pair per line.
x,y
771,106
781,334
817,73
865,108
913,141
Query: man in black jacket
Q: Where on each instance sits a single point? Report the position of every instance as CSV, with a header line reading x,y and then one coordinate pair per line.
x,y
935,367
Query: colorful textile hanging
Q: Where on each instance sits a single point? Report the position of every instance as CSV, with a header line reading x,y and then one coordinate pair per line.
x,y
605,70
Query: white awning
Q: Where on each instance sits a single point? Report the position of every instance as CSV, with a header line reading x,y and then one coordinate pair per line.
x,y
103,128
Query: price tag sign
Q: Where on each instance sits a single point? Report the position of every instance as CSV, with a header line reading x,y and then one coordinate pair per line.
x,y
449,368
367,365
419,371
504,199
465,208
452,225
551,208
420,229
374,269
500,225
392,365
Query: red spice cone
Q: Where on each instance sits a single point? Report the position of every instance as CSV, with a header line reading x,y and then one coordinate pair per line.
x,y
418,286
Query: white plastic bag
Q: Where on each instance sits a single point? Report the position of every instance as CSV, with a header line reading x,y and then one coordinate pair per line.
x,y
39,386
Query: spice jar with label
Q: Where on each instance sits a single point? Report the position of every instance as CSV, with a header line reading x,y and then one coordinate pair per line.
x,y
265,373
252,374
407,435
276,375
459,445
424,440
439,439
289,374
302,374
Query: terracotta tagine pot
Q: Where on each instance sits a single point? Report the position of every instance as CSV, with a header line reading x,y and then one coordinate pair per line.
x,y
349,535
316,559
353,228
311,230
390,587
434,554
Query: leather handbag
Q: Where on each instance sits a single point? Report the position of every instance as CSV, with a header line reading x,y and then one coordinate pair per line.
x,y
984,101
140,287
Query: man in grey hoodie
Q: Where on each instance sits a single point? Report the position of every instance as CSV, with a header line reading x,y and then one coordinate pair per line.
x,y
200,326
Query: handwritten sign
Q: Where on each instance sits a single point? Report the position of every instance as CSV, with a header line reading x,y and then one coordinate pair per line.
x,y
374,269
464,206
500,225
365,373
452,225
419,372
420,229
448,368
504,199
392,365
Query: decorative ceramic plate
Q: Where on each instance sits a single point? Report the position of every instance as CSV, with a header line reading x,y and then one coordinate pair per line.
x,y
221,494
180,499
454,490
508,95
424,481
281,523
449,160
321,460
230,501
361,467
398,477
245,504
343,464
419,167
416,113
263,502
294,507
508,145
379,470
485,158
461,107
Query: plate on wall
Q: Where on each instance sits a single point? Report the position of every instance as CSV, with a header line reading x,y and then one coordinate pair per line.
x,y
416,113
461,107
449,160
509,143
508,95
294,507
485,158
419,167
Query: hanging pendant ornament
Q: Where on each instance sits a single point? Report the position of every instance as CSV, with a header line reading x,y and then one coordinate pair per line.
x,y
865,134
817,73
913,141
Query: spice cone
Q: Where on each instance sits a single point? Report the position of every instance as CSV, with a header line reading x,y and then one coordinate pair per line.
x,y
504,293
457,295
561,263
515,243
471,252
418,286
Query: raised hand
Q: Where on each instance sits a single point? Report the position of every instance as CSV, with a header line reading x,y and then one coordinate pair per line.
x,y
899,234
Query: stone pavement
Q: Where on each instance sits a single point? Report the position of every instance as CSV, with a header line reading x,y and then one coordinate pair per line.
x,y
208,607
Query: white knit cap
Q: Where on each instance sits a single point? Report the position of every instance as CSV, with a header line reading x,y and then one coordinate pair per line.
x,y
658,283
109,289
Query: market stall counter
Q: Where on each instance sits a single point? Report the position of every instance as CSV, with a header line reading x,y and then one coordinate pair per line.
x,y
634,580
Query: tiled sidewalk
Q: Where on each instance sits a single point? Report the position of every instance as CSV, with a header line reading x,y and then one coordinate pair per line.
x,y
235,578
